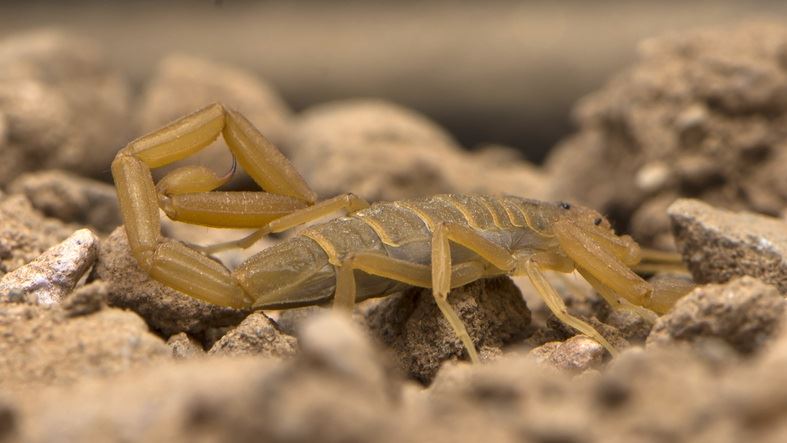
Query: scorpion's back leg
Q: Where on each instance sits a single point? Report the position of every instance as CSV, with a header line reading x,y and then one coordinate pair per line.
x,y
413,274
349,203
442,275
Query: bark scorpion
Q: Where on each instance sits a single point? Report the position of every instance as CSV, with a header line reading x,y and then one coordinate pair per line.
x,y
439,242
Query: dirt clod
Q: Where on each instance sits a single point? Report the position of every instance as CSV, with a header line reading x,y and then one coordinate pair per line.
x,y
412,325
745,313
577,354
70,198
255,335
719,245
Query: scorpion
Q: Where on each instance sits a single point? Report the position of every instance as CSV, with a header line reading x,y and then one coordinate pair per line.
x,y
439,242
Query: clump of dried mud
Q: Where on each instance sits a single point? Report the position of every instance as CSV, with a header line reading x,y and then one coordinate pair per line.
x,y
92,349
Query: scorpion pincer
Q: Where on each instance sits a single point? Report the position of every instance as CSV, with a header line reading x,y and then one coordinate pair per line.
x,y
439,242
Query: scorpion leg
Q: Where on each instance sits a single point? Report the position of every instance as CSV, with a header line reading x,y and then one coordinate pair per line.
x,y
591,252
349,203
445,233
555,304
413,274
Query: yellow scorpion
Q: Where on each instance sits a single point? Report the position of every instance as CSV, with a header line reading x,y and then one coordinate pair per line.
x,y
439,242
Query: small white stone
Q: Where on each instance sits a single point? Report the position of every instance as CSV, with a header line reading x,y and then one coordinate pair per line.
x,y
652,176
54,274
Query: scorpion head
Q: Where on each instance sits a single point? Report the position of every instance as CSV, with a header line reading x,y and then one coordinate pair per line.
x,y
582,215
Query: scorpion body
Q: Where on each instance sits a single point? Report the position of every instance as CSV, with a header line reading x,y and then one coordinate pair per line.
x,y
442,241
301,271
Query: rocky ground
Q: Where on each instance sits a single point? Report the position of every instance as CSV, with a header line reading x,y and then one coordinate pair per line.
x,y
92,349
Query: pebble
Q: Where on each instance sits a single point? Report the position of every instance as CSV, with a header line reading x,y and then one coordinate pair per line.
x,y
255,335
49,278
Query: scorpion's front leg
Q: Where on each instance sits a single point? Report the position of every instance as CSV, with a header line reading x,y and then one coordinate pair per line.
x,y
533,267
604,260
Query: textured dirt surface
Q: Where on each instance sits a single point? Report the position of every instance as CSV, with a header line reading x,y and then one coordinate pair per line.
x,y
44,346
24,232
701,114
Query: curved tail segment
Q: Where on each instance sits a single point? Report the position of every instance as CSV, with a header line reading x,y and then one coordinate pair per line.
x,y
171,262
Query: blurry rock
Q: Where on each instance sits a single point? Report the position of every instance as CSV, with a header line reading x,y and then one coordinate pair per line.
x,y
183,84
87,299
255,335
373,148
701,114
660,395
62,105
184,346
382,151
492,310
166,310
719,245
70,198
508,400
25,233
577,354
745,313
48,278
331,341
41,346
333,392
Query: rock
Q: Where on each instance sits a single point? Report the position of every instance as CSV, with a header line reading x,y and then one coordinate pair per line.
x,y
70,198
701,114
256,335
25,233
184,346
86,300
373,148
663,394
166,310
382,151
745,313
719,245
577,354
492,310
183,84
510,399
42,346
331,340
49,278
62,104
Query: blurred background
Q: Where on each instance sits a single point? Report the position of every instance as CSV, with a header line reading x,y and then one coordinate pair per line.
x,y
503,72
